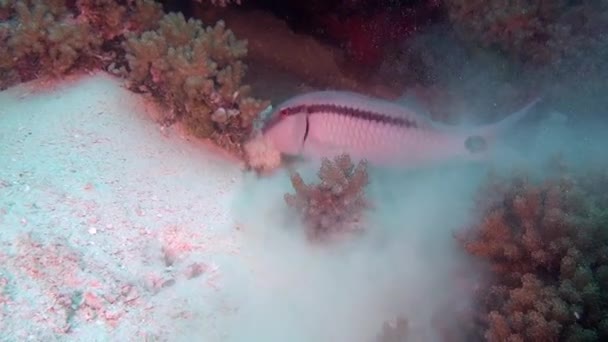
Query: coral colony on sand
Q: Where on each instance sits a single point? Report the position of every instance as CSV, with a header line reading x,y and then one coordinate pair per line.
x,y
334,205
194,71
198,72
545,245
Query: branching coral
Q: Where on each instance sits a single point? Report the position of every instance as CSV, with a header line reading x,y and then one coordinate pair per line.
x,y
547,248
52,38
42,39
197,71
112,18
334,205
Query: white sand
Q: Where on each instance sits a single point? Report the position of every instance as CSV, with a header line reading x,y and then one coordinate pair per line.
x,y
112,230
91,193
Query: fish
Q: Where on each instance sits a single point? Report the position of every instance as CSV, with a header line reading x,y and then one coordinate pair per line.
x,y
325,124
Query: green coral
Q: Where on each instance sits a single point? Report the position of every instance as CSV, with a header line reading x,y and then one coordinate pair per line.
x,y
546,248
198,72
52,38
43,39
111,18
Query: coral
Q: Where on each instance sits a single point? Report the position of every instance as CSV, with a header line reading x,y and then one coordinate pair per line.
x,y
6,9
112,18
336,203
42,39
546,245
53,38
197,72
6,61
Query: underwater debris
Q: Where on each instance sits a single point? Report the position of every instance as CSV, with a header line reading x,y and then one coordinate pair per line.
x,y
335,204
546,247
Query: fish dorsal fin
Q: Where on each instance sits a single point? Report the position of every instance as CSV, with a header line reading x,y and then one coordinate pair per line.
x,y
401,108
411,103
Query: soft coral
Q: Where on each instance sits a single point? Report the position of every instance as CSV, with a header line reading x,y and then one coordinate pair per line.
x,y
335,204
546,244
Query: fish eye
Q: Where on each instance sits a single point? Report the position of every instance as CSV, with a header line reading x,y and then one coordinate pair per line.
x,y
475,144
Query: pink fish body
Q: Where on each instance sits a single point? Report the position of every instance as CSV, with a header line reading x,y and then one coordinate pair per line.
x,y
328,123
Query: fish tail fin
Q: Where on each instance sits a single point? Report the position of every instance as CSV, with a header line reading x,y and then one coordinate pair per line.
x,y
488,134
501,127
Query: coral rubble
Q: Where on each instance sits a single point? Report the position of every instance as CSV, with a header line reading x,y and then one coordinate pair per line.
x,y
546,246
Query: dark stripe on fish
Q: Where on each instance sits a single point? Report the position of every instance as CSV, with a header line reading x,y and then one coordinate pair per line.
x,y
351,112
307,129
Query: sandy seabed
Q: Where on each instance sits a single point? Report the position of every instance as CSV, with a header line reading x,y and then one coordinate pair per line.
x,y
113,229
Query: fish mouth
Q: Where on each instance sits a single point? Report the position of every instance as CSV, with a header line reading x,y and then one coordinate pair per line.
x,y
270,123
